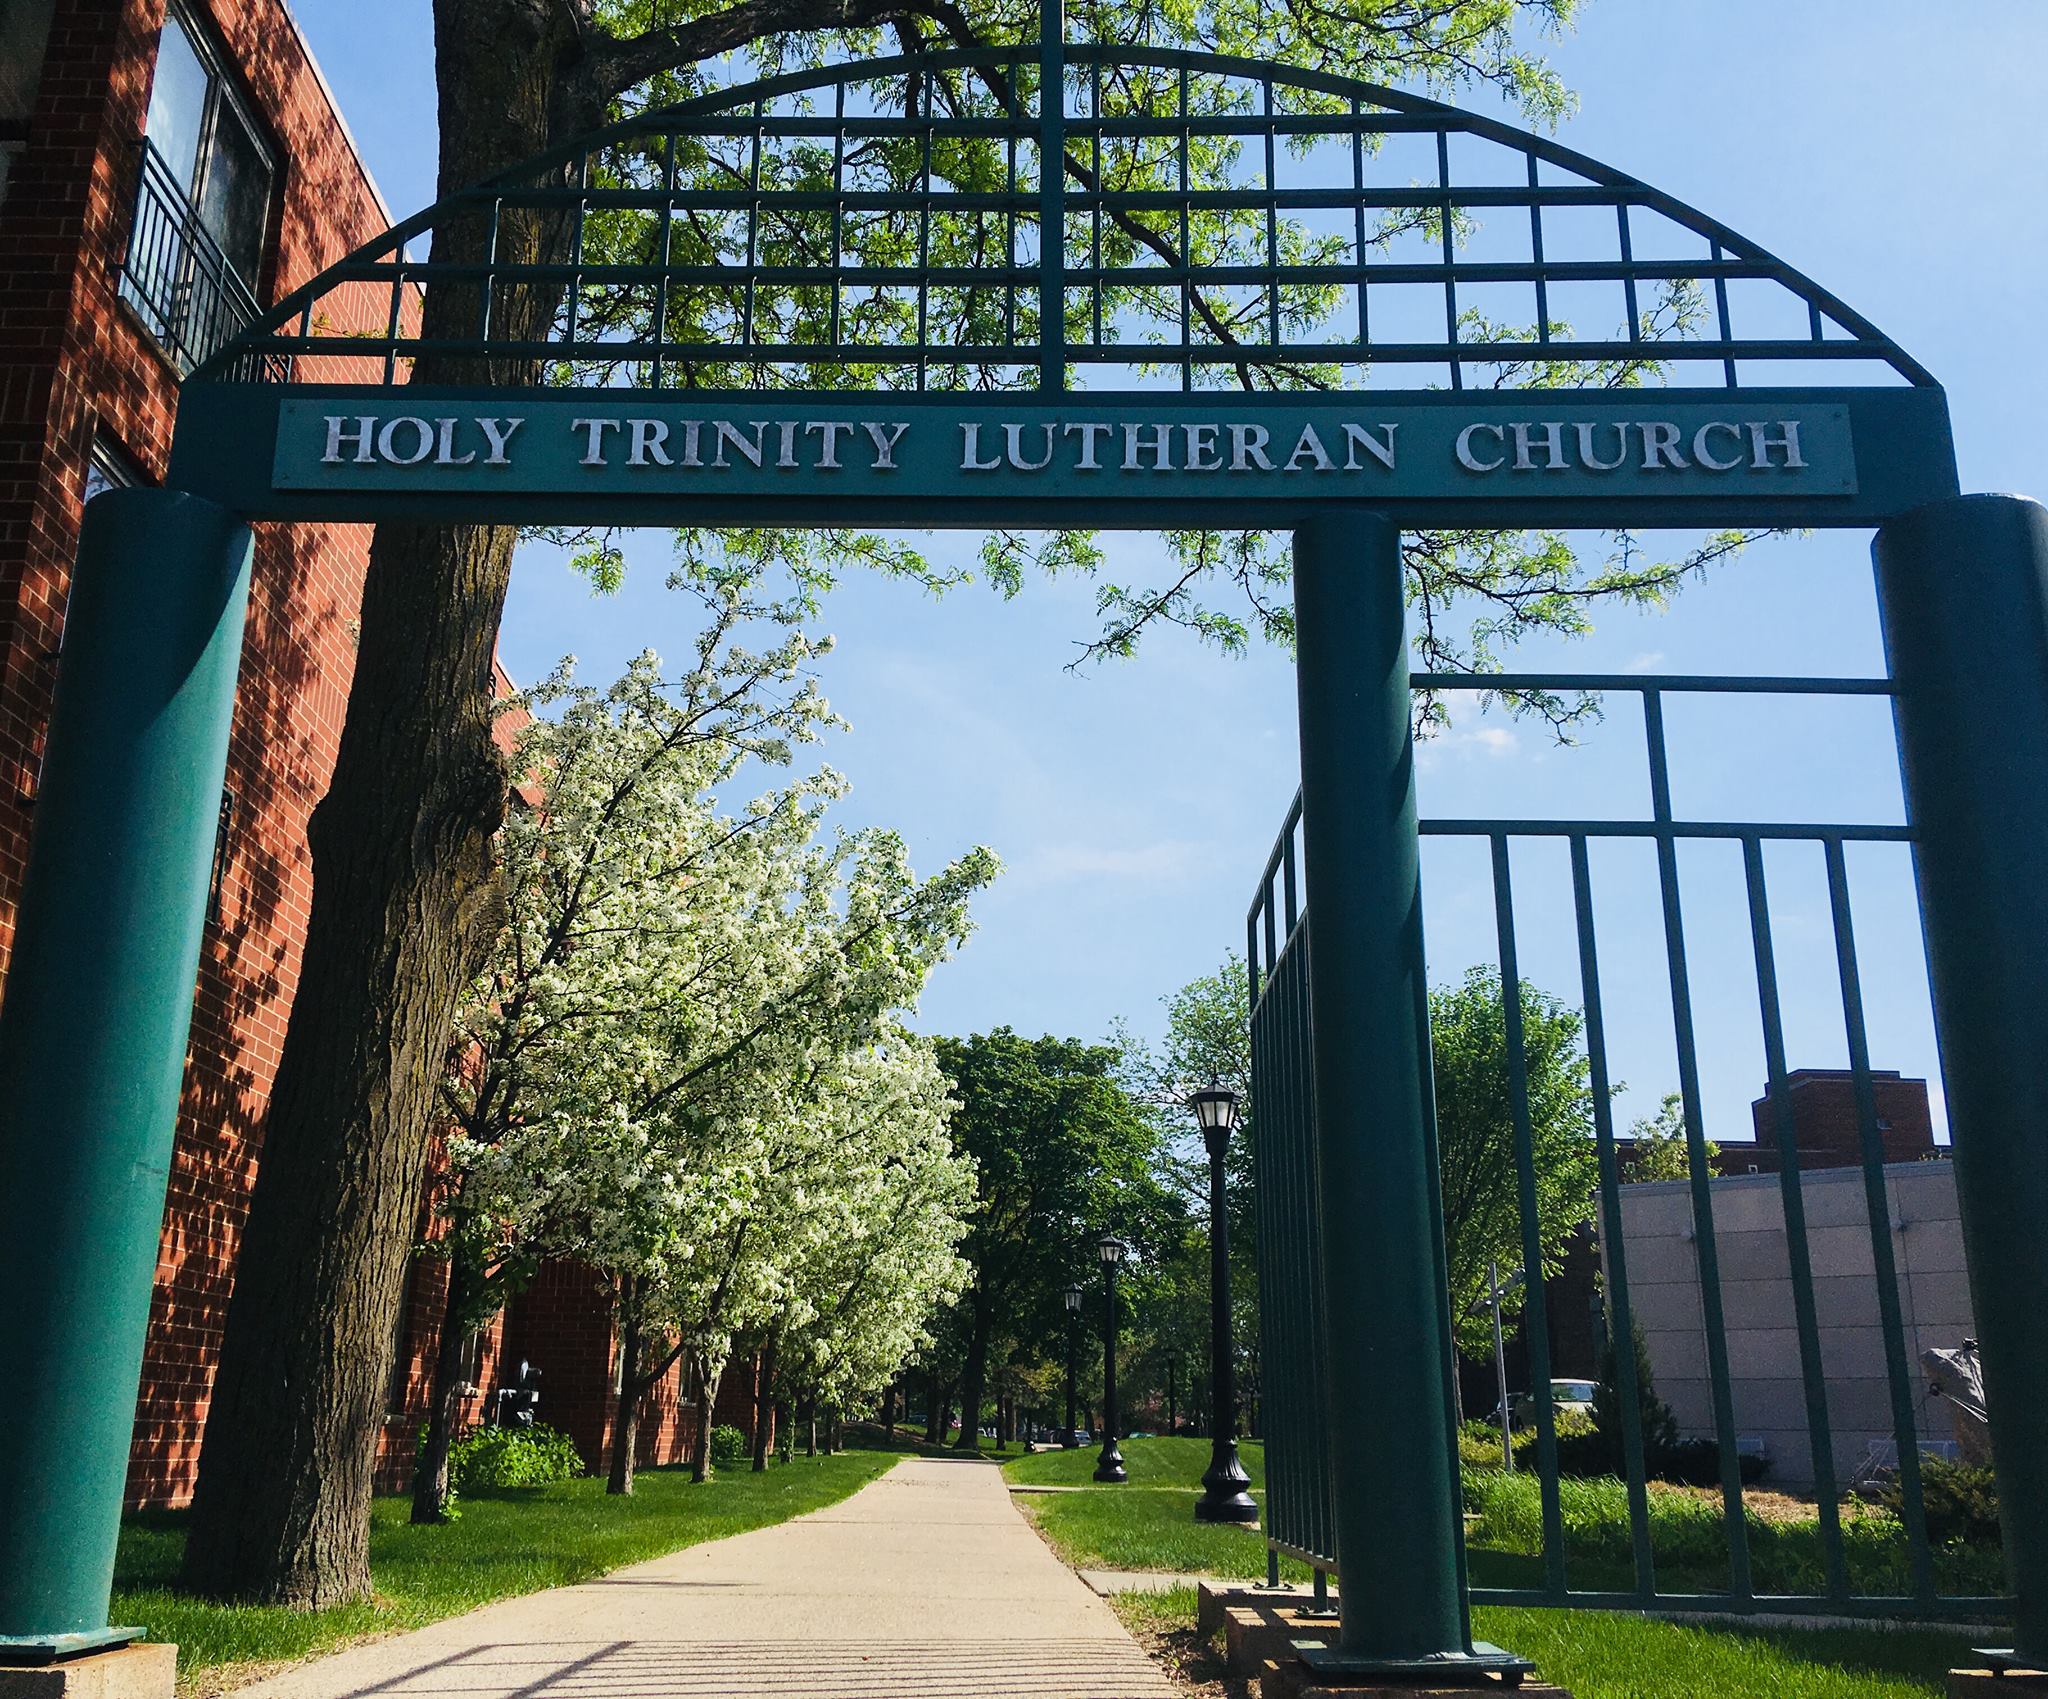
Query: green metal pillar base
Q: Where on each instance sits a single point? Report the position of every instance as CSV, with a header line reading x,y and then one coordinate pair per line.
x,y
1963,591
98,1002
35,1651
1393,1467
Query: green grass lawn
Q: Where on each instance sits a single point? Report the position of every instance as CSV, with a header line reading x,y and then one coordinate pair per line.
x,y
1600,1655
1157,1462
515,1541
1149,1524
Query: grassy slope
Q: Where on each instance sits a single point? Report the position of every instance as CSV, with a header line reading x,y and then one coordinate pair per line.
x,y
517,1541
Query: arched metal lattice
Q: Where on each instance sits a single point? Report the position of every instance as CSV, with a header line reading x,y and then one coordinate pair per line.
x,y
886,226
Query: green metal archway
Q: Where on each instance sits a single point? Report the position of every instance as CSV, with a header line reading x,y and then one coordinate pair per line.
x,y
1189,291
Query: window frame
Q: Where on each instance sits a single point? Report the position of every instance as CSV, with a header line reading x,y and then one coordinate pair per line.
x,y
222,91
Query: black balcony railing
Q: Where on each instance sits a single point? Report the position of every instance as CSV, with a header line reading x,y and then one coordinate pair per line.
x,y
175,277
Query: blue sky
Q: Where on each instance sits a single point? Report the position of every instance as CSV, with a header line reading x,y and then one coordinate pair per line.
x,y
1893,151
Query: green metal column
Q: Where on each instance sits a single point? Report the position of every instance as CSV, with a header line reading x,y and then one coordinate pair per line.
x,y
1963,592
1386,1321
98,999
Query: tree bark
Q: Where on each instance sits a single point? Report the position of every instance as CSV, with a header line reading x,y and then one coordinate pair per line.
x,y
810,1427
934,1409
707,1403
404,909
430,1471
974,1379
764,1405
889,1410
626,1418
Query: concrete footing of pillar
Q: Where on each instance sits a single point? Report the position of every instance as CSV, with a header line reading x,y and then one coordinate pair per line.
x,y
146,1671
1264,1629
1997,1684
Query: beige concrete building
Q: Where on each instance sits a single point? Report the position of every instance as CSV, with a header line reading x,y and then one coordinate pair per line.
x,y
1756,1296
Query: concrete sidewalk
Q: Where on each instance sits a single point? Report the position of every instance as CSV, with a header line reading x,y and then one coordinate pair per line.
x,y
926,1584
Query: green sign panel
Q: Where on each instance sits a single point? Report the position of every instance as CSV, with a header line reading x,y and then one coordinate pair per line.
x,y
1222,459
756,447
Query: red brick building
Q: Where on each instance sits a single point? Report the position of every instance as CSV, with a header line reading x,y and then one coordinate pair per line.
x,y
167,167
1826,1131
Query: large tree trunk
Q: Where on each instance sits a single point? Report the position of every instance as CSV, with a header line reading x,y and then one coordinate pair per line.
x,y
974,1379
430,1471
764,1404
707,1402
626,1418
934,1409
404,908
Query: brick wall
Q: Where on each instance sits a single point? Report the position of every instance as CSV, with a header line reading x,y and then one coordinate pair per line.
x,y
1826,1129
74,365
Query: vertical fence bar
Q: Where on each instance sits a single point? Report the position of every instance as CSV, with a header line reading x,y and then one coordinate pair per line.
x,y
1620,1316
664,251
1358,213
1697,1165
1052,183
1187,251
1877,1205
1535,1309
1820,1436
1450,252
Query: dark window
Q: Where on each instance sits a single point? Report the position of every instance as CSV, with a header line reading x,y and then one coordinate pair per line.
x,y
108,469
223,853
202,202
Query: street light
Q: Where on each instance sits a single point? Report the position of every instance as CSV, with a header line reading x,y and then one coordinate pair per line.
x,y
1071,1438
1172,1374
1225,1497
1109,1467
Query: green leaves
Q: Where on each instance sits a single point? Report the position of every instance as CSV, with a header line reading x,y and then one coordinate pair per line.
x,y
1476,1137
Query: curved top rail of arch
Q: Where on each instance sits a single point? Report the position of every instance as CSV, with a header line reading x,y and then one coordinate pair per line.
x,y
1216,223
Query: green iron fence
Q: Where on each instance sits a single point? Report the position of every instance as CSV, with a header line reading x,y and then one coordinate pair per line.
x,y
1858,1565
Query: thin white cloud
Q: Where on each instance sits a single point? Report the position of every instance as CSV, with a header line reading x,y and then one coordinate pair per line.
x,y
1647,662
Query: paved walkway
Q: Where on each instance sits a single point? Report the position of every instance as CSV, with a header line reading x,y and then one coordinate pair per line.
x,y
926,1584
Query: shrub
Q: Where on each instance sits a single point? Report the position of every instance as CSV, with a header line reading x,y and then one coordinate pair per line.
x,y
1479,1444
728,1446
1960,1500
487,1458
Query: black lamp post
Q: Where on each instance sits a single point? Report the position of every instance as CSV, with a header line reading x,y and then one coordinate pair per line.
x,y
1224,1495
1072,1437
1109,1467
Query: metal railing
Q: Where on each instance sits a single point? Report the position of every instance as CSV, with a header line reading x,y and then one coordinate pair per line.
x,y
1057,215
1278,936
176,278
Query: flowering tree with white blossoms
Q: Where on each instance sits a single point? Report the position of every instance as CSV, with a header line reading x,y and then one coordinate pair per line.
x,y
880,1251
674,984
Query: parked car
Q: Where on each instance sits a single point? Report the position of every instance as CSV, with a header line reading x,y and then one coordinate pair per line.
x,y
1564,1395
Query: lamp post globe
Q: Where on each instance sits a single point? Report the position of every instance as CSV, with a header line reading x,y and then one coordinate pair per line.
x,y
1072,1437
1226,1494
1109,1466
